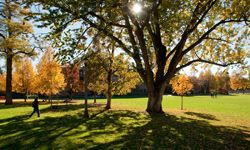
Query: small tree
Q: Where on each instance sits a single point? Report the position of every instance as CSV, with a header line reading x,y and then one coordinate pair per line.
x,y
111,75
181,85
72,79
24,78
50,77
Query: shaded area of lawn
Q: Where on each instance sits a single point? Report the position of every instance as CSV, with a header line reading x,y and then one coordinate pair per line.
x,y
116,129
202,115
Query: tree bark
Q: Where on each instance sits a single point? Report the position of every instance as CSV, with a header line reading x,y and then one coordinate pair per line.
x,y
9,81
94,97
155,94
181,102
109,92
86,112
26,97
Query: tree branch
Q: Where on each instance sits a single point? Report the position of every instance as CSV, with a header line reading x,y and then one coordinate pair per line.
x,y
122,45
205,61
1,35
217,39
205,35
212,3
105,21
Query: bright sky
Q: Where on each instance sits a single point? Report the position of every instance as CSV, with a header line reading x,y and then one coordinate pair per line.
x,y
40,31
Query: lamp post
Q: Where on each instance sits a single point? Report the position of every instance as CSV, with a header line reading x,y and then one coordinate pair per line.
x,y
84,77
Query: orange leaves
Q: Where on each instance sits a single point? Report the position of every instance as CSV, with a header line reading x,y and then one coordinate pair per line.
x,y
2,82
181,84
238,82
50,78
24,77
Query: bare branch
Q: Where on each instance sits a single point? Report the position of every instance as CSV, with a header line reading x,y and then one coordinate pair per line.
x,y
1,35
218,39
206,61
25,53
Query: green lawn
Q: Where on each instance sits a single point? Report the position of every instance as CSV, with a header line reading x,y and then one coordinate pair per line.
x,y
205,123
234,105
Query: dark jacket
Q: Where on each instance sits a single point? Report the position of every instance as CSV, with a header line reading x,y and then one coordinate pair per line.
x,y
35,104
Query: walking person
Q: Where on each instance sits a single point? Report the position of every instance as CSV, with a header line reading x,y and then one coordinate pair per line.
x,y
35,105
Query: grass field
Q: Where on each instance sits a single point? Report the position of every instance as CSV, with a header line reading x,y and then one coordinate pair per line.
x,y
205,123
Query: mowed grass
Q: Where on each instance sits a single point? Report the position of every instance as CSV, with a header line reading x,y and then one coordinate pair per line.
x,y
233,105
205,123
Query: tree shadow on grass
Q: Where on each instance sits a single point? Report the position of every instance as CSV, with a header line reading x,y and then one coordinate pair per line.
x,y
15,105
171,132
202,115
115,129
25,104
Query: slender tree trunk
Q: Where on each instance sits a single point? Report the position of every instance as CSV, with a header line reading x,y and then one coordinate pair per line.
x,y
71,94
109,92
26,97
94,97
181,102
50,101
86,112
9,81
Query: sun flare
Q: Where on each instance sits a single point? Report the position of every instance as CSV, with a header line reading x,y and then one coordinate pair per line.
x,y
137,8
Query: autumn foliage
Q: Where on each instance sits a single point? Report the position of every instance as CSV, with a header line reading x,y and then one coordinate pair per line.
x,y
24,78
50,78
72,79
239,82
2,82
181,84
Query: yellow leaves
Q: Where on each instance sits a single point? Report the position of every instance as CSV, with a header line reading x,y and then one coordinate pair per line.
x,y
24,77
181,84
16,44
239,82
2,82
18,27
50,77
25,11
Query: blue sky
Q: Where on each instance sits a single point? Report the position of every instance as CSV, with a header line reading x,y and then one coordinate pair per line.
x,y
187,70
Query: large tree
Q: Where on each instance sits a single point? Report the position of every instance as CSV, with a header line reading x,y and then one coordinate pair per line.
x,y
13,37
162,37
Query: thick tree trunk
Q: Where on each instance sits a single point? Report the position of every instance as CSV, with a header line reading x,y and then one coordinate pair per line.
x,y
109,92
9,81
155,100
108,105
